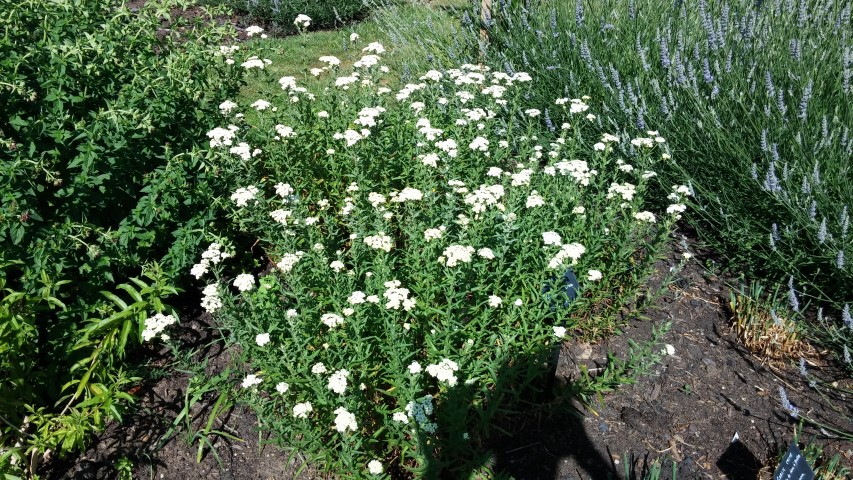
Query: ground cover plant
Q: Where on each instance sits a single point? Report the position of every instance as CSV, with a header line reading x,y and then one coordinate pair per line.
x,y
418,251
753,96
101,201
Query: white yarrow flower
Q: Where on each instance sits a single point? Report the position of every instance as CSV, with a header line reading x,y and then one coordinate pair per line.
x,y
302,21
374,467
301,410
251,380
262,339
244,282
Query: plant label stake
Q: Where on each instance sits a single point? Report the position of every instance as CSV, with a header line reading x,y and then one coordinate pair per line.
x,y
569,286
793,466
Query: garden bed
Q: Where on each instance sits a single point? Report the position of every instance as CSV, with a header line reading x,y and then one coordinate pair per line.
x,y
687,409
706,390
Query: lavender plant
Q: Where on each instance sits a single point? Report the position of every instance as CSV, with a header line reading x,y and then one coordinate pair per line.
x,y
415,242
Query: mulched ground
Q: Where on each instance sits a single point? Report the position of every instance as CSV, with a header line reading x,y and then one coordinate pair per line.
x,y
687,409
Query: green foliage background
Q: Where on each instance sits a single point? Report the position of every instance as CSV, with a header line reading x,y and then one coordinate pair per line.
x,y
101,116
279,14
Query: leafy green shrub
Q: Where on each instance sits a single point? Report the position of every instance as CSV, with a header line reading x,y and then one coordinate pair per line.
x,y
100,112
418,243
281,14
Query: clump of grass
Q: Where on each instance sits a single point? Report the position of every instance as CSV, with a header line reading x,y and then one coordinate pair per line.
x,y
765,330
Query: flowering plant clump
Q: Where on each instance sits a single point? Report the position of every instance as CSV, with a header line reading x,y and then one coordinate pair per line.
x,y
394,229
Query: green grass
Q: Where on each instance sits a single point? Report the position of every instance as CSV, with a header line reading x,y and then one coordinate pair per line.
x,y
295,55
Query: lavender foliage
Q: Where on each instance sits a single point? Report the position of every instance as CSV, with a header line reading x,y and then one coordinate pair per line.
x,y
804,103
787,405
792,295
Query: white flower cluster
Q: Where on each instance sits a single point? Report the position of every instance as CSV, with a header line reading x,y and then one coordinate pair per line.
x,y
301,410
357,298
284,131
244,282
444,371
647,142
480,144
338,381
260,105
679,192
571,251
284,190
281,216
420,409
374,47
576,105
210,300
578,169
521,177
376,199
625,190
485,196
288,261
222,136
456,254
434,233
244,151
366,61
449,147
344,420
255,62
262,339
368,115
551,238
374,467
302,21
213,255
647,217
332,320
397,296
227,51
287,83
155,325
351,136
407,194
330,60
242,196
251,380
433,75
226,108
253,30
380,241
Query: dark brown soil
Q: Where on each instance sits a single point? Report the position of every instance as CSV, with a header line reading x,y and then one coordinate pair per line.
x,y
687,409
